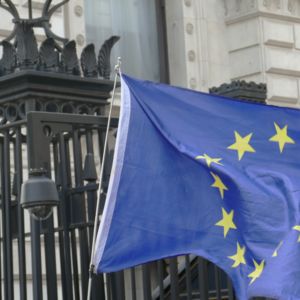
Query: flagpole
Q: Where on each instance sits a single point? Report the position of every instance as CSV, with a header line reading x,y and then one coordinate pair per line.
x,y
92,267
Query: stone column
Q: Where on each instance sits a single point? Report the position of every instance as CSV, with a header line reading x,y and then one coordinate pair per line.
x,y
75,23
198,55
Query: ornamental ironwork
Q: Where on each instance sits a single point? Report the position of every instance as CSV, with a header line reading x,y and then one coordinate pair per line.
x,y
240,89
55,54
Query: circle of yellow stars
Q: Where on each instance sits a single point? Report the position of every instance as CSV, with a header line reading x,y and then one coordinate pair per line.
x,y
242,146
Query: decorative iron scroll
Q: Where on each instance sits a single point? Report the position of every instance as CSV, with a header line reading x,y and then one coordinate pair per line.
x,y
41,22
104,57
56,54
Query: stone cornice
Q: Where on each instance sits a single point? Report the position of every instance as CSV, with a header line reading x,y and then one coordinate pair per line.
x,y
239,10
235,8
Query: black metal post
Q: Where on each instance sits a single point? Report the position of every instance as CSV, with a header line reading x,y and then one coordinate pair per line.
x,y
21,233
66,256
174,279
36,259
203,278
133,284
146,282
83,241
188,277
30,9
49,242
161,276
7,235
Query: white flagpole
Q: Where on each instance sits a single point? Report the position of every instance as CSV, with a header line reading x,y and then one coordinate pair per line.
x,y
92,267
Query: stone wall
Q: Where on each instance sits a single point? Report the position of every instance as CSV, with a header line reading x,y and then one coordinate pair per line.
x,y
216,41
264,45
197,43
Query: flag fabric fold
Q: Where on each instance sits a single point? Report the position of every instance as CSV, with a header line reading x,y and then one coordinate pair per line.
x,y
200,174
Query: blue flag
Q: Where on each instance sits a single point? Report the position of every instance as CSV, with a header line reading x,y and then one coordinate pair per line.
x,y
200,174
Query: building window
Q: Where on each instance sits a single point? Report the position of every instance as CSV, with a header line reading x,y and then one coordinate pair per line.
x,y
135,21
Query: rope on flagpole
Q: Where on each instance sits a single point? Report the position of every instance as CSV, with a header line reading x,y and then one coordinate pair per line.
x,y
92,267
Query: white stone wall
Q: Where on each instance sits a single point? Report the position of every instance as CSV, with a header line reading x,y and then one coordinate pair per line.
x,y
263,39
197,43
216,41
74,23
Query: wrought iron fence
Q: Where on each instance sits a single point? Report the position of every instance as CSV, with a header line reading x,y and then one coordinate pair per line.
x,y
187,277
59,248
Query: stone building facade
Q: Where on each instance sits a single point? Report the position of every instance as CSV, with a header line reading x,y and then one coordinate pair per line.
x,y
252,40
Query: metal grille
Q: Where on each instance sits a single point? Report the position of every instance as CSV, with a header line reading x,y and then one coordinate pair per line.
x,y
58,248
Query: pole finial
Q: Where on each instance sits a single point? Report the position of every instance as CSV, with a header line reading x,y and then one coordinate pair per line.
x,y
118,65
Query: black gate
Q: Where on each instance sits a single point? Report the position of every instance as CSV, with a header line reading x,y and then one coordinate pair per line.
x,y
50,259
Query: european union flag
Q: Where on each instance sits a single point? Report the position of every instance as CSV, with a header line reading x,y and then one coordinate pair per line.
x,y
206,175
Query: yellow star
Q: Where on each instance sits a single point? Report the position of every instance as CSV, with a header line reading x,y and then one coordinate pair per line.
x,y
226,221
257,271
281,137
297,227
238,258
275,253
209,160
219,184
241,144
